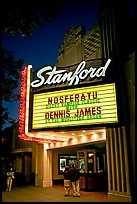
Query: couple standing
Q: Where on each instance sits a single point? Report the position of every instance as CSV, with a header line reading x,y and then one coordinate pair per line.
x,y
71,176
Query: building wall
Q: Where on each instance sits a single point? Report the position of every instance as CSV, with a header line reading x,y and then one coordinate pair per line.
x,y
70,51
37,163
22,158
129,72
79,45
17,143
116,39
28,168
92,44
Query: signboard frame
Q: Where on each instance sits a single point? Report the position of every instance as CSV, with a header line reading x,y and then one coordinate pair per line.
x,y
73,124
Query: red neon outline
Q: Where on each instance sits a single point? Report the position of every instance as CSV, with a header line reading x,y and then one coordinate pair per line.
x,y
23,112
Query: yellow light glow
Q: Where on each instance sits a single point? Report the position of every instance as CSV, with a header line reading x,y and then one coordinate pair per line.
x,y
74,107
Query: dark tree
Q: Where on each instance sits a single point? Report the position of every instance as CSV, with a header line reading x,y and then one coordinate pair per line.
x,y
7,136
10,75
26,16
23,17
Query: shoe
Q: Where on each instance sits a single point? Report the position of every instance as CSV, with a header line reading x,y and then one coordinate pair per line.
x,y
78,195
74,195
66,195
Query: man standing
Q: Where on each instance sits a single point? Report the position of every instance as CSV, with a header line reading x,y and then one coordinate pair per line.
x,y
74,177
67,183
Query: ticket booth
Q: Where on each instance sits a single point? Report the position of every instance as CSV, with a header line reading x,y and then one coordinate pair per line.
x,y
92,165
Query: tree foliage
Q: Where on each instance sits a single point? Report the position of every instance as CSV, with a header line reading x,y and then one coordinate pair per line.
x,y
6,116
10,75
25,16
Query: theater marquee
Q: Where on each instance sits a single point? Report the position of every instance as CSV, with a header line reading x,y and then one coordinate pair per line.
x,y
74,107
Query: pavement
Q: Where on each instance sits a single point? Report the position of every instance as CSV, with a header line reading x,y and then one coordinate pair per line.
x,y
56,193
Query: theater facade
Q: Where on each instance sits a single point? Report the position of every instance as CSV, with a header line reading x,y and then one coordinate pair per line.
x,y
74,112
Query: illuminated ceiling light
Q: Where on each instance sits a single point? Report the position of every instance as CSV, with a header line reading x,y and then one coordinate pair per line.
x,y
92,133
74,140
42,133
83,139
95,135
83,130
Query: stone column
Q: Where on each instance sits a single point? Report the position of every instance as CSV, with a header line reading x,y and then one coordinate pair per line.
x,y
36,163
117,165
47,168
42,165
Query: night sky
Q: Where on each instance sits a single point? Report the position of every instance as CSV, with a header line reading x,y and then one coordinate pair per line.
x,y
42,46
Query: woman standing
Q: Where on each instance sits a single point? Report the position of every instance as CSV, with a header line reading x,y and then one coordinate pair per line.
x,y
10,177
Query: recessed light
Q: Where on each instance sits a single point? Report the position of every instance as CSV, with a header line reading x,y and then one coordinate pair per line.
x,y
92,133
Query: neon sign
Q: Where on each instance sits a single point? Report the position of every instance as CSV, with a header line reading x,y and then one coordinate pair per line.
x,y
75,107
24,111
61,76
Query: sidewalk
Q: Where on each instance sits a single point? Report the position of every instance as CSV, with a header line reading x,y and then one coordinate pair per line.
x,y
49,194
